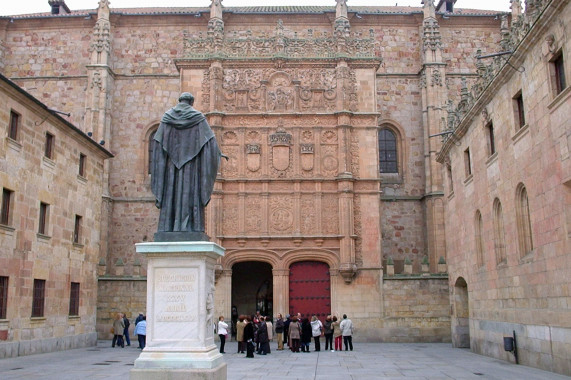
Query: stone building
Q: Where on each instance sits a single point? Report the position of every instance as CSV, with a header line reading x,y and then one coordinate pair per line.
x,y
52,184
508,192
328,116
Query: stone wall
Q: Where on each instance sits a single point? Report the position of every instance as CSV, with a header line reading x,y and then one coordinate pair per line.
x,y
416,309
512,286
26,254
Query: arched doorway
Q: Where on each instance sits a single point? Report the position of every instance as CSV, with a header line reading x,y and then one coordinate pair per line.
x,y
461,315
309,289
252,288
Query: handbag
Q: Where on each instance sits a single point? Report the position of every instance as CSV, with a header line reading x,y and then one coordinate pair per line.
x,y
112,330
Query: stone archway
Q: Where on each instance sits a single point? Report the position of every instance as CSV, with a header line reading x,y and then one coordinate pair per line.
x,y
252,287
461,315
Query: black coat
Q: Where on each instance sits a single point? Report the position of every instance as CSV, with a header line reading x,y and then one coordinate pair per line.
x,y
306,331
249,332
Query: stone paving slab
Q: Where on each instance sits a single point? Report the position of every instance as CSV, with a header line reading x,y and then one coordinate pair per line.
x,y
390,361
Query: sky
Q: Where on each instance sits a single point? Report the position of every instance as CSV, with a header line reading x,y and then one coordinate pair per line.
x,y
18,7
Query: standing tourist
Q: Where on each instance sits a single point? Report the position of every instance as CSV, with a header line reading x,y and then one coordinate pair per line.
x,y
328,332
240,334
316,330
347,332
126,329
337,337
222,332
141,332
294,334
264,344
286,329
306,334
270,327
249,337
280,332
118,328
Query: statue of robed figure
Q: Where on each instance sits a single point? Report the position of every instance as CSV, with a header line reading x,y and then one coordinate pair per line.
x,y
184,164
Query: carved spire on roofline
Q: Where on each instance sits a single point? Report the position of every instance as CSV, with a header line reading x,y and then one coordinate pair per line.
x,y
516,9
429,9
216,24
101,44
431,38
342,25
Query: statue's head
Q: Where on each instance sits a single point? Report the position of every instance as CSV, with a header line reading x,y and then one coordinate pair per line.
x,y
186,97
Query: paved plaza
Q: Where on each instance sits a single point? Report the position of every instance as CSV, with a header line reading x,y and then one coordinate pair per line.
x,y
367,361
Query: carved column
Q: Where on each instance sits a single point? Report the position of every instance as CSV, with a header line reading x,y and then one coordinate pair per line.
x,y
223,295
281,291
97,118
434,96
347,268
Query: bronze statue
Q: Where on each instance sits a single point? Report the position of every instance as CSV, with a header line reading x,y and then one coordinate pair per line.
x,y
185,161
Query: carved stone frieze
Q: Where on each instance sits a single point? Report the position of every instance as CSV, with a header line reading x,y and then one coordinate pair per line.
x,y
330,214
287,90
308,217
282,44
231,167
252,216
230,215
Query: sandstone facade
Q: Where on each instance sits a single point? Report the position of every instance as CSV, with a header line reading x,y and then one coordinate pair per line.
x,y
299,112
507,210
38,238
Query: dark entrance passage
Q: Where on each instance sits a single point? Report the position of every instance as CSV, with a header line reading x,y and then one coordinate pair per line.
x,y
309,289
252,288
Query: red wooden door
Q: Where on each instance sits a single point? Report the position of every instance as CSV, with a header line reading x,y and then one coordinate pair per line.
x,y
309,289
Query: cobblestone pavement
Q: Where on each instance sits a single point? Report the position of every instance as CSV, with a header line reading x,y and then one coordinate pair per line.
x,y
367,361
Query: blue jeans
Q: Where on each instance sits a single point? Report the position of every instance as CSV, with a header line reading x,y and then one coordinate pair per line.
x,y
126,333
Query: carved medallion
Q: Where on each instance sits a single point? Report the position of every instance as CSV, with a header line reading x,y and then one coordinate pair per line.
x,y
280,142
307,153
253,155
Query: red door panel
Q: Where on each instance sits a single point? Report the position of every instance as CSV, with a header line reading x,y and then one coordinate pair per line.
x,y
309,289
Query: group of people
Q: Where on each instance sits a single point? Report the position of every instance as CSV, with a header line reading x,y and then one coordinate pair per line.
x,y
120,330
255,332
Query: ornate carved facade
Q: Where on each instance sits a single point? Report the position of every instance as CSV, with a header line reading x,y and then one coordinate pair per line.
x,y
299,112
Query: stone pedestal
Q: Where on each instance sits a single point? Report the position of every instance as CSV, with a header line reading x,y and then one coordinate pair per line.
x,y
180,313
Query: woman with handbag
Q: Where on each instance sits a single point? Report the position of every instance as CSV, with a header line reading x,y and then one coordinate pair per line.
x,y
316,331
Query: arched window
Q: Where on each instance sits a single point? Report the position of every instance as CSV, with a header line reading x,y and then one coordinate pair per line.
x,y
388,154
523,221
150,149
479,226
499,239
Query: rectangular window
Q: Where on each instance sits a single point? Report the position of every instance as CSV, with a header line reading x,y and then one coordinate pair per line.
x,y
7,199
559,71
467,162
14,125
74,299
77,230
82,159
3,297
519,110
44,215
450,179
49,145
491,138
39,298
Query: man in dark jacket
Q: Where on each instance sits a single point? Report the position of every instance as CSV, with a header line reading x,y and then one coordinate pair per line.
x,y
263,337
249,337
126,329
